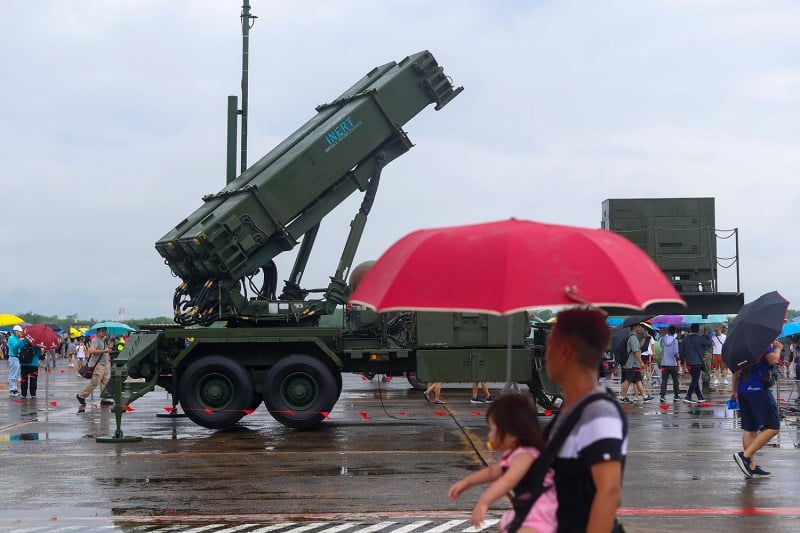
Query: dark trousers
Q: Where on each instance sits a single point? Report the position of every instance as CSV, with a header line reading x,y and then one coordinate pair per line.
x,y
694,386
666,372
30,378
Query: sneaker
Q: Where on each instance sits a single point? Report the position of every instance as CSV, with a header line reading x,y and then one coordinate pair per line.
x,y
489,399
80,400
626,400
71,365
107,402
676,398
743,463
663,399
700,400
689,400
475,399
13,393
24,396
647,399
759,471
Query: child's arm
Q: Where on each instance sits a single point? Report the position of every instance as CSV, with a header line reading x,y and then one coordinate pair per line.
x,y
520,464
484,475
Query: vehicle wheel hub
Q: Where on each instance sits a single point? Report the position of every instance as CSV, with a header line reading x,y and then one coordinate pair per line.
x,y
299,391
215,391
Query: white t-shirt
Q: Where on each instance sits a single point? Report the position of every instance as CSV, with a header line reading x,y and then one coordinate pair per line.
x,y
718,341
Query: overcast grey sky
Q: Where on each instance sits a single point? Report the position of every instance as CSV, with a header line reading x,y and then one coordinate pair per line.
x,y
113,125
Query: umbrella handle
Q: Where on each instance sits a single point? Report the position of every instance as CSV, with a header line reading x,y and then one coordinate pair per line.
x,y
571,292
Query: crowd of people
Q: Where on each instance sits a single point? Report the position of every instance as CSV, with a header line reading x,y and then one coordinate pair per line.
x,y
688,351
25,360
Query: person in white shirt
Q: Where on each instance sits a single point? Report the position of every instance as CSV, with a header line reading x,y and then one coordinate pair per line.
x,y
720,370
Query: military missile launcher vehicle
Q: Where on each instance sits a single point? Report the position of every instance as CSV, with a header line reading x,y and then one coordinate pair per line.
x,y
269,347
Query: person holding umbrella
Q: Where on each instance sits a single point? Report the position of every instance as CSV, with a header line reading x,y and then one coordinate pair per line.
x,y
749,351
632,369
692,349
29,370
14,345
758,410
589,463
102,367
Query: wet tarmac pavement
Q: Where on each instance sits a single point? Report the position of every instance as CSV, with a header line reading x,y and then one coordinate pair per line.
x,y
383,462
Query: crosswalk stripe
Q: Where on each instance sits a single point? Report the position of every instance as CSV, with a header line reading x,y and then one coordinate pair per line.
x,y
239,528
411,527
375,527
340,527
209,527
307,527
273,527
444,527
484,525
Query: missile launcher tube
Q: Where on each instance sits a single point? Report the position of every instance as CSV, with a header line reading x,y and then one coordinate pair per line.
x,y
267,209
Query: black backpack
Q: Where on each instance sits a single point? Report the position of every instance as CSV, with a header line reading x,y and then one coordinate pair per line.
x,y
26,355
620,349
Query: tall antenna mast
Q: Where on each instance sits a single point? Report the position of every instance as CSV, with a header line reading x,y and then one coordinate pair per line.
x,y
247,21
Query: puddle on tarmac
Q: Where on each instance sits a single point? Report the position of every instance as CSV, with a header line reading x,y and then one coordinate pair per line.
x,y
16,437
353,471
23,436
123,481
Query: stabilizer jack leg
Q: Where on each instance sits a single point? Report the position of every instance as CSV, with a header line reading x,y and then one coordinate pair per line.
x,y
117,378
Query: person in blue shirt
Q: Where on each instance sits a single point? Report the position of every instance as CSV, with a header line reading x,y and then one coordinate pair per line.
x,y
29,379
758,410
14,341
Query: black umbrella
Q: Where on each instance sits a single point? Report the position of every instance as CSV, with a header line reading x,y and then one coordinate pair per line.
x,y
757,324
617,334
635,319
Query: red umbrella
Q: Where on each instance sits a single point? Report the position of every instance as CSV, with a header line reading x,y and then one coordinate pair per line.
x,y
512,265
42,336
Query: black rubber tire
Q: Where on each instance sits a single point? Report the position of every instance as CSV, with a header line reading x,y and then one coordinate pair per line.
x,y
298,389
338,376
219,384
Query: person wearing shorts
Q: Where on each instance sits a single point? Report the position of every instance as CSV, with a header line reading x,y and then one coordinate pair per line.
x,y
720,370
758,410
632,369
80,353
